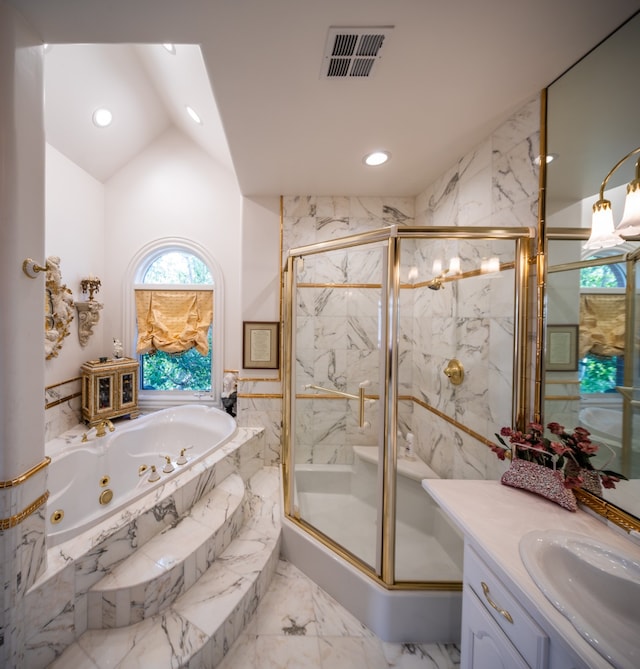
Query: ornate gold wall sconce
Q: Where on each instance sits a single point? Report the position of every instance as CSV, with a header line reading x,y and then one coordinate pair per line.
x,y
91,284
89,311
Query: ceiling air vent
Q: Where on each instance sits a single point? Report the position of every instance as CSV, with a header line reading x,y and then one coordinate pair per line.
x,y
352,52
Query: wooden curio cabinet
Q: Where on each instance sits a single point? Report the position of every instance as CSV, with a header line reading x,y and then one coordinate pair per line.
x,y
109,389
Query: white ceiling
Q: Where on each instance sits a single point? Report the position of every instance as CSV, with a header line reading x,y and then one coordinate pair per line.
x,y
450,71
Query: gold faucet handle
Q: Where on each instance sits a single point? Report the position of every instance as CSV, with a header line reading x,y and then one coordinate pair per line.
x,y
168,466
182,458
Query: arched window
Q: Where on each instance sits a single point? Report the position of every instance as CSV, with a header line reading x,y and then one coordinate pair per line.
x,y
175,307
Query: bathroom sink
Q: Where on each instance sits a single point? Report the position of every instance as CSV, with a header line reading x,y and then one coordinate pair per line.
x,y
594,585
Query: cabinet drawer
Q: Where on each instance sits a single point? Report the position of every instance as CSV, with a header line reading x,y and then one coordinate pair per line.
x,y
484,644
511,617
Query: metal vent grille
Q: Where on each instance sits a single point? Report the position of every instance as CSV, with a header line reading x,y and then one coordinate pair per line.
x,y
353,52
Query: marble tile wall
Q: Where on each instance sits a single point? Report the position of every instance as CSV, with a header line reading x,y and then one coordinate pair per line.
x,y
63,408
337,326
495,185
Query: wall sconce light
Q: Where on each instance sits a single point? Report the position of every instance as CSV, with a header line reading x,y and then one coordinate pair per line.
x,y
441,274
92,284
603,233
490,266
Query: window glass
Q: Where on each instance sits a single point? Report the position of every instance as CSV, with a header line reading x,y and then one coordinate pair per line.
x,y
601,374
188,371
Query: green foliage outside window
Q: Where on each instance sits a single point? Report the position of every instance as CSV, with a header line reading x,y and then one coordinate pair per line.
x,y
600,374
183,371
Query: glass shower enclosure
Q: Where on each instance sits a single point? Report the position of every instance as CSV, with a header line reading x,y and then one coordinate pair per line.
x,y
390,339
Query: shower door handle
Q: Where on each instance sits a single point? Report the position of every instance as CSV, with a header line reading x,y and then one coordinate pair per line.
x,y
360,397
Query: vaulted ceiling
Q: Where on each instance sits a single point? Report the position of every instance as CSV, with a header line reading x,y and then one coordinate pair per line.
x,y
448,72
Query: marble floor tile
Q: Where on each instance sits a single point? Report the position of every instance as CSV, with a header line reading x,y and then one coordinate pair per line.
x,y
299,626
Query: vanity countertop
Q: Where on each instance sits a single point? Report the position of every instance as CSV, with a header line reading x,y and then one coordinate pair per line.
x,y
494,517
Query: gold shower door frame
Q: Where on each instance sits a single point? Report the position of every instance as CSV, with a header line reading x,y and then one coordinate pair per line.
x,y
384,571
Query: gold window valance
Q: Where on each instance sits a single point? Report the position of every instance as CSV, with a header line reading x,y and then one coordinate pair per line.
x,y
602,324
173,321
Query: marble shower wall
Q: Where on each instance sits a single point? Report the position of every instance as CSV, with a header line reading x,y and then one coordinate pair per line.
x,y
496,185
338,311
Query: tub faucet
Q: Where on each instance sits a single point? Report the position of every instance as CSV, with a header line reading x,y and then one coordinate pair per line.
x,y
101,429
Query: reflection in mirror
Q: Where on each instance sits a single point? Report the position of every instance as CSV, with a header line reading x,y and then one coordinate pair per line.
x,y
591,123
58,309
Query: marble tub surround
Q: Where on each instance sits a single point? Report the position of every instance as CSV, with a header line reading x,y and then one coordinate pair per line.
x,y
495,537
150,579
200,626
298,624
74,566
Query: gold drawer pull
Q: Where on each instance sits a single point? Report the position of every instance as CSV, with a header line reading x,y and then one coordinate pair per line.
x,y
502,612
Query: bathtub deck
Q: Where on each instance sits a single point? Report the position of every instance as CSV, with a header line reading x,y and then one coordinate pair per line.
x,y
198,629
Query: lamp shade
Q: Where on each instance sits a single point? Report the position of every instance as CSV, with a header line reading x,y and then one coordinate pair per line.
x,y
603,235
630,223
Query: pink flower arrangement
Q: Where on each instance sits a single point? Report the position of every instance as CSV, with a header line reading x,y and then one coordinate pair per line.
x,y
570,452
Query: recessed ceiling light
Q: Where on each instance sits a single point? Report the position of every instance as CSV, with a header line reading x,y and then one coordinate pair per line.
x,y
102,117
376,158
193,115
171,48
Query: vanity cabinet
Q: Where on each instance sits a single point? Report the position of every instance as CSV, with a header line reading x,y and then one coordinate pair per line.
x,y
497,631
507,620
109,389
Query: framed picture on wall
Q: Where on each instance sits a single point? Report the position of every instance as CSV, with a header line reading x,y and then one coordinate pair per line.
x,y
562,348
260,344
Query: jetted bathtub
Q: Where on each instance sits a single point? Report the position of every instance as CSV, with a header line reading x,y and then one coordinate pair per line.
x,y
90,481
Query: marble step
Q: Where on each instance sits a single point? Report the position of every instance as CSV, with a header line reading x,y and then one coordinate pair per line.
x,y
198,629
149,580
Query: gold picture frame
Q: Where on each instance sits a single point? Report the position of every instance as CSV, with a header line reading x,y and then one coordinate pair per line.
x,y
260,344
562,348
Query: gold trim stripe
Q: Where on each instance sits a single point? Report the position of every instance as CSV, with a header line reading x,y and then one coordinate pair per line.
x,y
624,520
27,475
274,396
63,383
7,523
562,382
557,398
455,423
61,400
375,286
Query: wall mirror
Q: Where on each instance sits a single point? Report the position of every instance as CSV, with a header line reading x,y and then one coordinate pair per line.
x,y
591,373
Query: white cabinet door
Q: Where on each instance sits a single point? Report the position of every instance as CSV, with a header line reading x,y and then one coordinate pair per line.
x,y
484,644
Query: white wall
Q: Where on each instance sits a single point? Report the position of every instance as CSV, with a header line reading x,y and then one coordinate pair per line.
x,y
75,233
260,259
172,189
